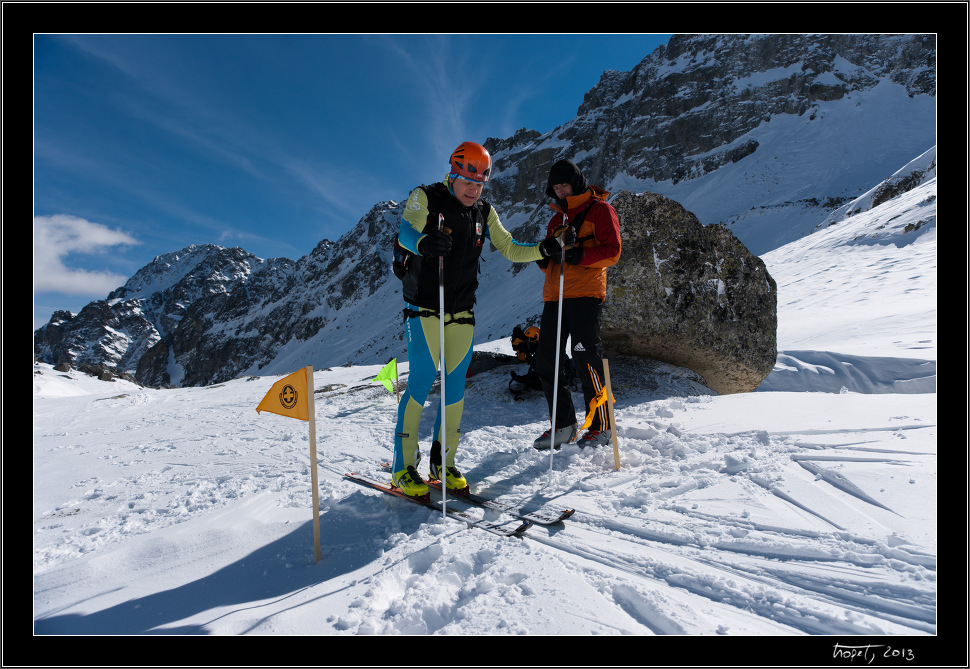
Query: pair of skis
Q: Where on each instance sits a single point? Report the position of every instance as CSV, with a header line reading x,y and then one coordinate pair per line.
x,y
528,518
500,529
539,517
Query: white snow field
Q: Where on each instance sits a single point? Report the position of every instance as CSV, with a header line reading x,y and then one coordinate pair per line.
x,y
805,509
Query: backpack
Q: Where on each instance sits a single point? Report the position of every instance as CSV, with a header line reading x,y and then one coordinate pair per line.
x,y
401,257
400,260
525,343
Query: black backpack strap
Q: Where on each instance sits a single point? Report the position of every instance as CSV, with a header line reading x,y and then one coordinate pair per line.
x,y
431,313
578,222
520,384
401,257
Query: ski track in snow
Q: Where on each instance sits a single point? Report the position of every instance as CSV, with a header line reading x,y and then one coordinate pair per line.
x,y
808,508
701,531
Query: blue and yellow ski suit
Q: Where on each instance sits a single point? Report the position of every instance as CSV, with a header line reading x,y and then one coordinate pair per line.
x,y
469,227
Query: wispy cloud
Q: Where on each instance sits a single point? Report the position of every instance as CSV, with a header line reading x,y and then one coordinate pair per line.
x,y
459,88
59,236
193,225
444,82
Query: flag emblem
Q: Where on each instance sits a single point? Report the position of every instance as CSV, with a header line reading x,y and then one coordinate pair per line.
x,y
289,397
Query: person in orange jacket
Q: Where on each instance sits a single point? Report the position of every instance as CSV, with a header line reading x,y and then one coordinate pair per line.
x,y
591,234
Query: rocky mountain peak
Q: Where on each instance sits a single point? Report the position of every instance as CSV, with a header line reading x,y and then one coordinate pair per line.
x,y
738,129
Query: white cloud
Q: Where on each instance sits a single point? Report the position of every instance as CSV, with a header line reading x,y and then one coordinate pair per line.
x,y
60,235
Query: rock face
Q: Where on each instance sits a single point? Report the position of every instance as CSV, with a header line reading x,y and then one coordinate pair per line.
x,y
686,108
702,103
690,295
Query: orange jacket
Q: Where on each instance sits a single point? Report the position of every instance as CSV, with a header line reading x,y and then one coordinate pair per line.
x,y
601,250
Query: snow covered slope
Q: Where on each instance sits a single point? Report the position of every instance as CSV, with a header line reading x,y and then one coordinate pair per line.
x,y
795,513
869,323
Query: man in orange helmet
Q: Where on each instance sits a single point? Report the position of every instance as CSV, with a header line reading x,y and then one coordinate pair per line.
x,y
445,226
583,216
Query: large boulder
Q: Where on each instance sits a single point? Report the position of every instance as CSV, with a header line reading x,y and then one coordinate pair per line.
x,y
689,295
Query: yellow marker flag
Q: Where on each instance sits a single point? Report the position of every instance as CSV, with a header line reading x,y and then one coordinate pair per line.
x,y
388,375
594,404
292,396
288,397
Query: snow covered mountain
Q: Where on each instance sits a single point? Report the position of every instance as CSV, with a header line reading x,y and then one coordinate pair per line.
x,y
767,134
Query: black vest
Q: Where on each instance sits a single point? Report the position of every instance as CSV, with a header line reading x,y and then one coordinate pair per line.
x,y
467,227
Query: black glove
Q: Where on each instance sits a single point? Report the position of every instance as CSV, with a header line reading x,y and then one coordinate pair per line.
x,y
569,236
574,255
435,243
550,248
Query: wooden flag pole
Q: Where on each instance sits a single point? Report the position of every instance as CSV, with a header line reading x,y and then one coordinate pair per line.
x,y
313,465
609,406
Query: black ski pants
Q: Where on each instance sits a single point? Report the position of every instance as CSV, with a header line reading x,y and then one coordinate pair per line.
x,y
581,327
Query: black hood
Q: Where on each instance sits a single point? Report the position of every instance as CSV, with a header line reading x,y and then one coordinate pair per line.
x,y
566,172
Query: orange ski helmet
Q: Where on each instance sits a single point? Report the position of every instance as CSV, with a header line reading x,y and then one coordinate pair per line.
x,y
471,161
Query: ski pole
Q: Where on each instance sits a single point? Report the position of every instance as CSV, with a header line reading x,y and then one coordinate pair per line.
x,y
555,386
444,370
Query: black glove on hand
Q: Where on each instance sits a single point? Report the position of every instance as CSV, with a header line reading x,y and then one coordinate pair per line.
x,y
569,236
574,255
435,243
550,248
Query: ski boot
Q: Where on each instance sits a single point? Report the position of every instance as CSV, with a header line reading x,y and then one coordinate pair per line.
x,y
452,478
564,435
411,483
594,438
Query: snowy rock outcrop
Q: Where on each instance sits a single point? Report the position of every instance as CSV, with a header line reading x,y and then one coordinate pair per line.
x,y
690,295
765,133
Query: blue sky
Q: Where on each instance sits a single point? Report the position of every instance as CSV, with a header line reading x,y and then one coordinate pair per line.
x,y
144,144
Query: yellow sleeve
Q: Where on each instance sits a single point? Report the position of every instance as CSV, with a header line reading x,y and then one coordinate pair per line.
x,y
503,241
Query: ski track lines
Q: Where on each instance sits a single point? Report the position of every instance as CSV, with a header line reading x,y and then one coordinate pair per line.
x,y
737,563
694,528
745,574
744,557
740,567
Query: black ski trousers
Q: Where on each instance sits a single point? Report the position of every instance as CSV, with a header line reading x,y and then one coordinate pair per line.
x,y
580,327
